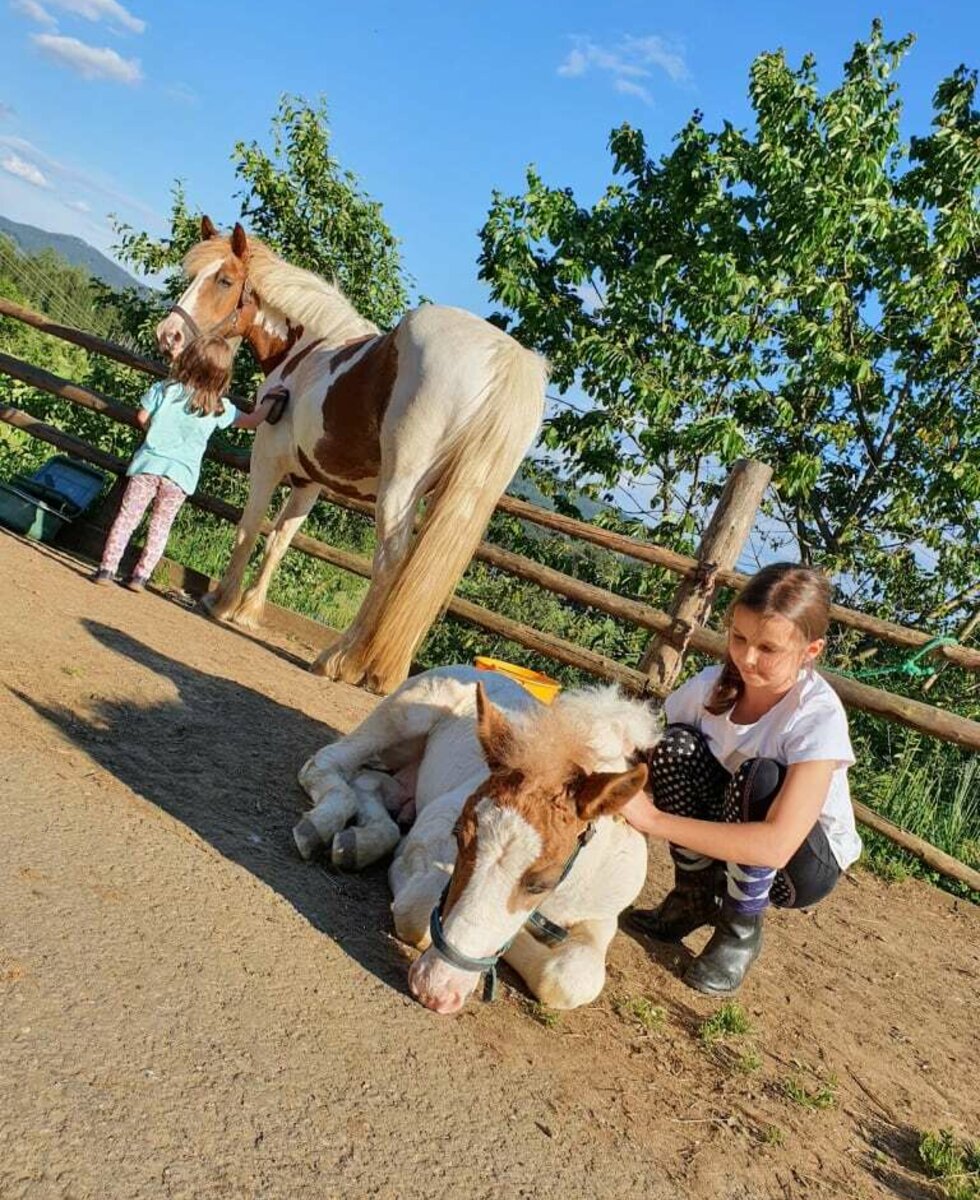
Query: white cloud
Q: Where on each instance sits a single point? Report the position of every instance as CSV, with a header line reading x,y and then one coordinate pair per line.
x,y
575,64
629,63
629,88
655,52
79,206
13,164
102,10
182,94
91,62
83,180
34,12
5,111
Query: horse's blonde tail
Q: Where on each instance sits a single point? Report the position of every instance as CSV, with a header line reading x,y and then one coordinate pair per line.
x,y
478,468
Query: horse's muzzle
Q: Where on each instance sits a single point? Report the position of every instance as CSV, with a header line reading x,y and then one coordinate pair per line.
x,y
442,988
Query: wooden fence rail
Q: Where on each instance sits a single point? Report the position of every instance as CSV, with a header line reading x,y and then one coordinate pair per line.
x,y
926,718
670,630
679,564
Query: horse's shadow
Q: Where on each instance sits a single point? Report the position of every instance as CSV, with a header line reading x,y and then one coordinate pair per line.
x,y
222,758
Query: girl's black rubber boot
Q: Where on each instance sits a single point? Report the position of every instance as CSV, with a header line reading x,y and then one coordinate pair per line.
x,y
734,946
692,903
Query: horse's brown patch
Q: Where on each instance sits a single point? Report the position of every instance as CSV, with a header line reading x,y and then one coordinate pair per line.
x,y
270,349
353,409
316,475
465,849
297,358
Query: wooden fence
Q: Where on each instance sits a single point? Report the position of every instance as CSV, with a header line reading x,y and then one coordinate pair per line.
x,y
673,632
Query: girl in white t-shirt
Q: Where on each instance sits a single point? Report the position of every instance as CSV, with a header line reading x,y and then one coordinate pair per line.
x,y
749,782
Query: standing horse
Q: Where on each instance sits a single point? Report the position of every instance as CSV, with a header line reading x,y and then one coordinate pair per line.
x,y
516,851
441,408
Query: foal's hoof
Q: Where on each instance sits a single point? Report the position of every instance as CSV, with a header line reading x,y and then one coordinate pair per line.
x,y
307,839
343,851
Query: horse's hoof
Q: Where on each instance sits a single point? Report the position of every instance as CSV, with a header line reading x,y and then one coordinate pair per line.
x,y
307,839
246,620
343,852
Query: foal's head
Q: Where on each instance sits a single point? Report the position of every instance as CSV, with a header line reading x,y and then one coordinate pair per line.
x,y
218,299
520,828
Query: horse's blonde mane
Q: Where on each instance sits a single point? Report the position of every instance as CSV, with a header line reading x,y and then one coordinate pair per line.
x,y
306,299
589,729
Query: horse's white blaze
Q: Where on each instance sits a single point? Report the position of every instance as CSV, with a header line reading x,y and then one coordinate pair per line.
x,y
174,323
481,922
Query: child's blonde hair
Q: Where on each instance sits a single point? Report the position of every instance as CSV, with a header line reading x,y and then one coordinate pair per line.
x,y
204,366
800,594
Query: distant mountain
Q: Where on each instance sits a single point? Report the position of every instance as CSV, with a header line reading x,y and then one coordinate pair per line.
x,y
29,239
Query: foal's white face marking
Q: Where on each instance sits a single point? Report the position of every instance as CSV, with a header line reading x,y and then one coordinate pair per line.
x,y
484,918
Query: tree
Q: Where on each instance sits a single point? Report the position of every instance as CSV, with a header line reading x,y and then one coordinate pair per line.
x,y
300,200
806,293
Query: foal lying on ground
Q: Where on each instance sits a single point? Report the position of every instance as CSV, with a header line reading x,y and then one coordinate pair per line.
x,y
516,807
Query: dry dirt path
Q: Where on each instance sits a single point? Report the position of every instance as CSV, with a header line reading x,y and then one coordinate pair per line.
x,y
187,1010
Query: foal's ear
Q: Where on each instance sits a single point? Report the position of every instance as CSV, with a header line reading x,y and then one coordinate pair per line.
x,y
605,792
239,242
492,730
208,230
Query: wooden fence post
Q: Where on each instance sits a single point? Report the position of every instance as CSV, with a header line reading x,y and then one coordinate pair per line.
x,y
726,534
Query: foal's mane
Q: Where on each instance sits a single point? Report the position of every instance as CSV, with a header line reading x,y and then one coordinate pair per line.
x,y
589,729
306,299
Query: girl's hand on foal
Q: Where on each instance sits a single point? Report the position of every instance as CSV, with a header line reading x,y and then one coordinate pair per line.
x,y
642,814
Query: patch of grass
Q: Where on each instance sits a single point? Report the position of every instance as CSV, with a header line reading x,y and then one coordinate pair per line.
x,y
545,1016
730,1020
643,1011
748,1062
929,789
773,1136
815,1094
953,1163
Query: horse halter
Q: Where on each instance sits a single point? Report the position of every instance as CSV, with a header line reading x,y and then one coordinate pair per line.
x,y
539,926
244,302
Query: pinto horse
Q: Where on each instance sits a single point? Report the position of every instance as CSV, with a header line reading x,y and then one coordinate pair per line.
x,y
441,408
516,851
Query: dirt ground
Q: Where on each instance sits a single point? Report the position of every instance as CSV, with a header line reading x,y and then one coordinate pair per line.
x,y
188,1010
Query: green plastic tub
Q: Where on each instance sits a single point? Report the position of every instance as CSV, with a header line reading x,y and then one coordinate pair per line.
x,y
39,505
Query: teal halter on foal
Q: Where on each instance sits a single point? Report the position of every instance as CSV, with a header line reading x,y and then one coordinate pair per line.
x,y
540,927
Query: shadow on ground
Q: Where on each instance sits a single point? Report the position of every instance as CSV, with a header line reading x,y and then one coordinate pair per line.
x,y
222,759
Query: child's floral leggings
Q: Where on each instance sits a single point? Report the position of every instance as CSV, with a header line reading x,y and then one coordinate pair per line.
x,y
167,498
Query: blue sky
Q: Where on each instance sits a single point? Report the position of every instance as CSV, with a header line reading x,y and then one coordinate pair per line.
x,y
433,104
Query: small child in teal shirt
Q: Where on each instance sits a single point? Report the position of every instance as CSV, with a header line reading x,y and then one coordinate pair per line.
x,y
179,414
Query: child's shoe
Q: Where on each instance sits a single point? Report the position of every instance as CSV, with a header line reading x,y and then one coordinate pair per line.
x,y
136,583
102,576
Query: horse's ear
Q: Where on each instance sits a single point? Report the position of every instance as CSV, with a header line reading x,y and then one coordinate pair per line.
x,y
492,730
239,242
208,230
605,792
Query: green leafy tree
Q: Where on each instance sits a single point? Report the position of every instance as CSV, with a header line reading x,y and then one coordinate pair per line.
x,y
806,293
298,198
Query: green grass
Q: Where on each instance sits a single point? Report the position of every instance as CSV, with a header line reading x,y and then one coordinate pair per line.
x,y
641,1011
730,1020
953,1163
748,1062
809,1089
543,1015
931,790
773,1136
